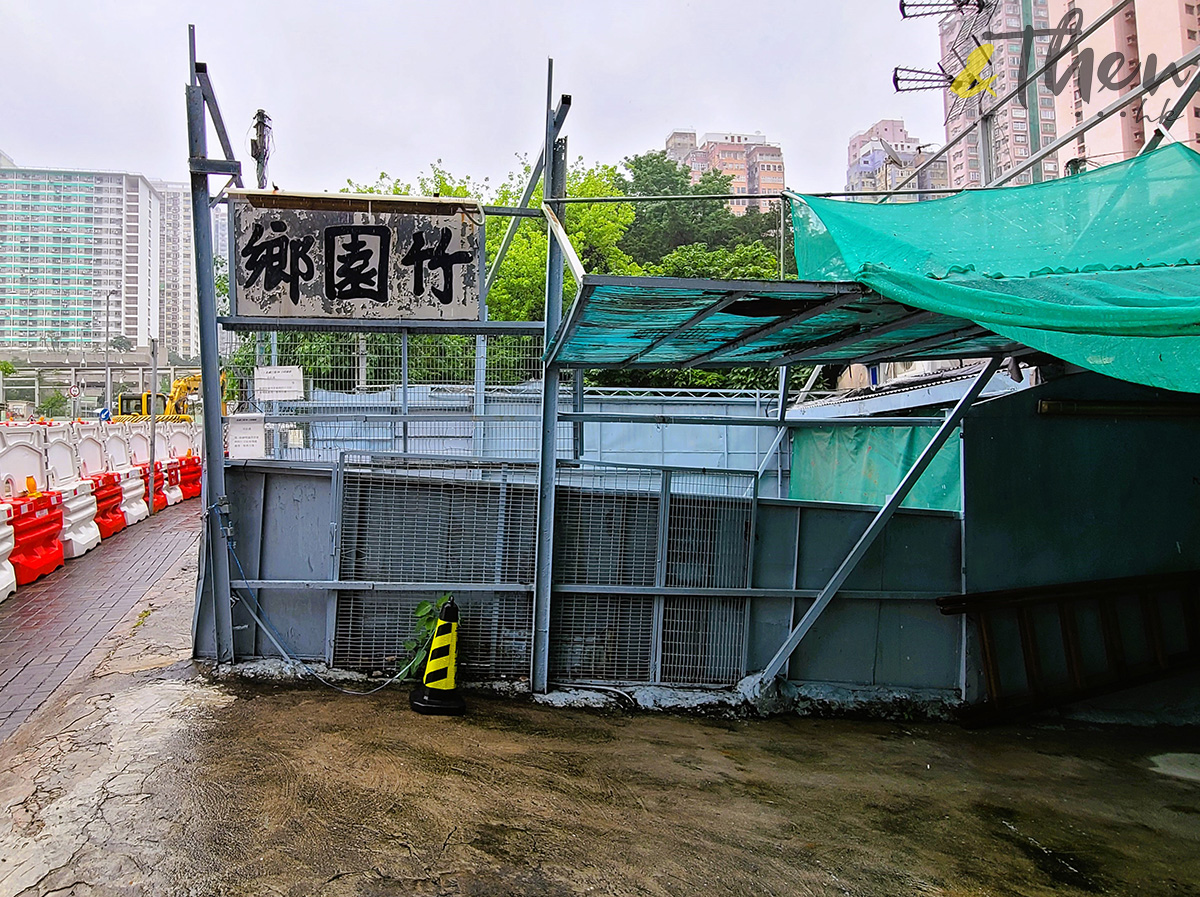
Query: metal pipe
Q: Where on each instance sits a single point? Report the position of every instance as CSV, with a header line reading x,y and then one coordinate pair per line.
x,y
1108,111
697,197
556,153
210,376
1170,117
599,417
153,419
779,661
107,348
560,115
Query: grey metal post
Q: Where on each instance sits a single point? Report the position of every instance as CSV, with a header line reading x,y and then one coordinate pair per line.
x,y
210,373
108,348
779,661
275,405
577,406
404,388
556,183
153,419
560,115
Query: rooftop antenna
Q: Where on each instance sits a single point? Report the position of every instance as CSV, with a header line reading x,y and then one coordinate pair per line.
x,y
908,80
261,145
915,9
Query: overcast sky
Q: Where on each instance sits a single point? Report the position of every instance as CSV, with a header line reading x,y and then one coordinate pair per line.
x,y
357,87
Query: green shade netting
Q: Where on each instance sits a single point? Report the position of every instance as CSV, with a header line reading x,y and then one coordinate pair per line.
x,y
1102,269
864,465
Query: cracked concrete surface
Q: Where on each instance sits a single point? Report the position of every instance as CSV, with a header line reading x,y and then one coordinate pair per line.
x,y
83,779
140,776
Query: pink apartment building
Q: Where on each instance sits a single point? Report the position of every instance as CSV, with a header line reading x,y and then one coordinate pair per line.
x,y
1146,35
754,165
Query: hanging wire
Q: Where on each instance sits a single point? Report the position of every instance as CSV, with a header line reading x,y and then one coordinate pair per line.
x,y
256,612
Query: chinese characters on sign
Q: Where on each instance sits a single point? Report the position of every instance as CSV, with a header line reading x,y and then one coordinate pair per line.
x,y
356,257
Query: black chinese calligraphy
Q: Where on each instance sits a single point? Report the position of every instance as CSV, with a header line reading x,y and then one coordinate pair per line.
x,y
356,262
278,260
436,258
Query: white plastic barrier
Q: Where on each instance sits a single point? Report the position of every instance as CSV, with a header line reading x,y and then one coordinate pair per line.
x,y
79,532
8,576
180,439
23,469
116,448
20,433
139,451
90,448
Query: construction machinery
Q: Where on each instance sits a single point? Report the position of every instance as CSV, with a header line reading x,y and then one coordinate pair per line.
x,y
172,407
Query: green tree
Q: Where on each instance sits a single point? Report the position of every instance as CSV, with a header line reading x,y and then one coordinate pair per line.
x,y
53,405
661,227
595,231
7,368
752,261
120,343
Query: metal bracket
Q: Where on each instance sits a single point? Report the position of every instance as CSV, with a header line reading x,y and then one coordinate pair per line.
x,y
215,166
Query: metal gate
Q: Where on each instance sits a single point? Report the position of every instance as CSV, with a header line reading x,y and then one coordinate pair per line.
x,y
413,528
643,556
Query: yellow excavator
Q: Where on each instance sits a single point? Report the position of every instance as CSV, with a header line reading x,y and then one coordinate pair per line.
x,y
173,407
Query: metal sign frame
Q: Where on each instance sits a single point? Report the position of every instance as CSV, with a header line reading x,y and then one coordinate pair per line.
x,y
340,212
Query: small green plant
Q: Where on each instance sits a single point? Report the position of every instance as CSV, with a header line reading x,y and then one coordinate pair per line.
x,y
426,615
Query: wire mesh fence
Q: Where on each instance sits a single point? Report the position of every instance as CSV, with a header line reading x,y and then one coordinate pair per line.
x,y
437,520
703,640
602,638
495,632
425,393
639,531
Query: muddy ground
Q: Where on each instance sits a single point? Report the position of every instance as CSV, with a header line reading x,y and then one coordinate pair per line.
x,y
143,777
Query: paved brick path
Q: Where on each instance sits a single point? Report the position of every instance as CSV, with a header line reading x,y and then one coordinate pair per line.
x,y
48,627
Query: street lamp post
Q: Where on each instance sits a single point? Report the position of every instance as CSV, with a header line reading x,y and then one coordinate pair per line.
x,y
108,348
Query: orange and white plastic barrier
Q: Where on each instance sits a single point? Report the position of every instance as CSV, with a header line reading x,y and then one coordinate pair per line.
x,y
37,512
106,485
8,577
133,491
80,534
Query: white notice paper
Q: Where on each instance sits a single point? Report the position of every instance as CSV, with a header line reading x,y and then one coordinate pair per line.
x,y
247,436
278,384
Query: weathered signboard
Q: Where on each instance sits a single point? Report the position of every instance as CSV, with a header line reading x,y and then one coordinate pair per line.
x,y
299,255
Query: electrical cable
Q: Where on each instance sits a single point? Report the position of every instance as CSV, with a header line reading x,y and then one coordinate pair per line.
x,y
273,635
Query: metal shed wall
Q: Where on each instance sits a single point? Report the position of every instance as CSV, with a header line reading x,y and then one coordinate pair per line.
x,y
1062,498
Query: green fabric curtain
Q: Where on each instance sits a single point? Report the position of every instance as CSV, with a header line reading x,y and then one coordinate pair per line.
x,y
864,465
1102,269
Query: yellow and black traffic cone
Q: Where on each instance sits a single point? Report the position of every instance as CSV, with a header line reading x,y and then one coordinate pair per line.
x,y
437,694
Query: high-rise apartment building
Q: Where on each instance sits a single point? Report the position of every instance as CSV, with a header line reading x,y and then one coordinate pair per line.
x,y
1144,38
883,156
79,257
178,328
1008,134
753,164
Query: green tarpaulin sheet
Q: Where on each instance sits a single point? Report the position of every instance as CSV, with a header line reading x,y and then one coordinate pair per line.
x,y
864,465
1101,269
